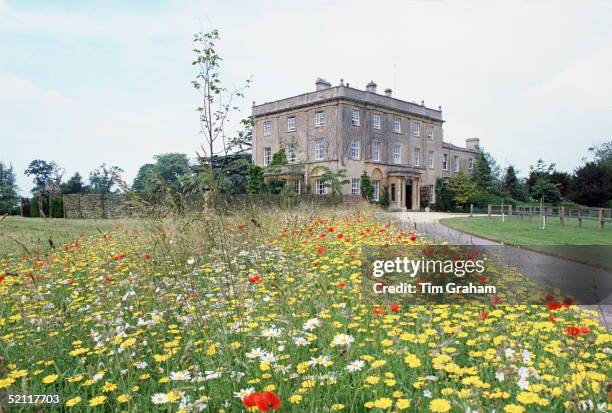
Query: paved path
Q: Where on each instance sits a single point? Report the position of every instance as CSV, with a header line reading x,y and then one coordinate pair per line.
x,y
569,276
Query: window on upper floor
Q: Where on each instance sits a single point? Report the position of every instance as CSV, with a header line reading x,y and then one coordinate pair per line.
x,y
376,151
470,165
456,164
445,161
355,149
319,118
291,156
397,124
397,153
430,159
376,120
355,120
430,132
416,128
267,127
416,160
319,149
267,156
290,123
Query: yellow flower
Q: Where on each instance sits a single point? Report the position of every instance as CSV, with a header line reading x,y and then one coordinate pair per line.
x,y
295,399
50,378
412,361
16,374
5,383
514,408
74,379
527,397
378,363
73,401
173,396
390,382
337,406
128,343
383,403
439,405
109,387
402,404
96,401
372,379
124,398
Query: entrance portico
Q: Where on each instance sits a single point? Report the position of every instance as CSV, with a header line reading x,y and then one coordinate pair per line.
x,y
405,189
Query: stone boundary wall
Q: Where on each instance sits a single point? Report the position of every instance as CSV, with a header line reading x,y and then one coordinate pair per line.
x,y
95,206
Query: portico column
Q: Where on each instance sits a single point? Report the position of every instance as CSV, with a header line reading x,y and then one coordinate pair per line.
x,y
398,191
418,194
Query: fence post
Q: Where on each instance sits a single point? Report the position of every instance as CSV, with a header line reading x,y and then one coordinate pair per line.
x,y
579,218
530,213
510,210
489,210
562,215
471,209
601,219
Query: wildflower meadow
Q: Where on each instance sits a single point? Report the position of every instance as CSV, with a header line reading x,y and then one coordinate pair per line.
x,y
261,311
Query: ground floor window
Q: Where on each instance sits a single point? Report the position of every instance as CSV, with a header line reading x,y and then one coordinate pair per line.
x,y
319,187
392,192
376,195
355,183
296,186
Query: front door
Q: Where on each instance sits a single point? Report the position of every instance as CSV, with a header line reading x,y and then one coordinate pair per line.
x,y
408,196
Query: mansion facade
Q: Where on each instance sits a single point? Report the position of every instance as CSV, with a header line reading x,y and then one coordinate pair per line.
x,y
399,144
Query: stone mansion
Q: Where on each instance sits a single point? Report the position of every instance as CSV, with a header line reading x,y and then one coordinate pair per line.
x,y
398,143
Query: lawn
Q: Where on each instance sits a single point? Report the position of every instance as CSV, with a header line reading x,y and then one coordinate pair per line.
x,y
262,308
555,239
26,235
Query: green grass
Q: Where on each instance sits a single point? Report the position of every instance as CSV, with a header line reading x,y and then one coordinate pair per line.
x,y
517,231
29,235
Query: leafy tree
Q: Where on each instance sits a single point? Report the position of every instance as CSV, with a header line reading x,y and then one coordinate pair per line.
x,y
74,185
255,183
602,153
217,103
563,181
278,159
334,180
102,179
462,188
8,189
47,179
170,173
444,196
425,196
592,184
485,171
512,185
544,188
243,140
366,187
540,170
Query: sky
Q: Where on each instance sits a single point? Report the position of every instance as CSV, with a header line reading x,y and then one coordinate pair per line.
x,y
91,82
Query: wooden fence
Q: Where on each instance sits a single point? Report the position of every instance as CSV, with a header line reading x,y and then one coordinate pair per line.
x,y
601,215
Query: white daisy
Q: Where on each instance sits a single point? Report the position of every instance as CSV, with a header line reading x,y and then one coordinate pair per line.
x,y
342,340
255,353
271,333
242,393
320,361
301,341
355,366
311,324
159,398
500,376
180,375
191,261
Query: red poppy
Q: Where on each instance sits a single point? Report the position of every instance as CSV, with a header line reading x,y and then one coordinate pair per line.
x,y
1,278
255,279
321,250
585,330
119,257
146,256
552,319
340,236
322,235
483,278
610,396
395,307
268,401
568,301
108,280
495,300
378,311
330,229
413,238
428,250
341,284
240,226
251,399
572,331
553,305
484,316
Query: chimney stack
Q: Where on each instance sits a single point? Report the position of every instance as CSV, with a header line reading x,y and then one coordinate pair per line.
x,y
472,143
322,84
388,92
371,87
